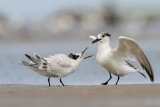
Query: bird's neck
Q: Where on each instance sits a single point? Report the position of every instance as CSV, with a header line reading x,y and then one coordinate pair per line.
x,y
77,63
104,46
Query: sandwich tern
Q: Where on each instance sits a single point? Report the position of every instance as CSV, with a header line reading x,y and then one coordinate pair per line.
x,y
57,66
116,60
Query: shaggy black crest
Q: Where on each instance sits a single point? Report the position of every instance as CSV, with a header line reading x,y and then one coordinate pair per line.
x,y
106,34
73,56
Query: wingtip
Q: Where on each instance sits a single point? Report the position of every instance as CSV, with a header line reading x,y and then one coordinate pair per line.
x,y
151,75
26,54
24,63
152,79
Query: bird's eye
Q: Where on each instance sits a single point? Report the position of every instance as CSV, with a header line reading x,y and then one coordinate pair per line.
x,y
103,36
77,56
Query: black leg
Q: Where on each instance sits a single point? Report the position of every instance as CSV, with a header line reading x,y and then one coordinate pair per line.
x,y
49,81
107,80
117,80
61,82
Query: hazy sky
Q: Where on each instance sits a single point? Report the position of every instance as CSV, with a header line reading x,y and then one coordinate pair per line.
x,y
40,7
31,8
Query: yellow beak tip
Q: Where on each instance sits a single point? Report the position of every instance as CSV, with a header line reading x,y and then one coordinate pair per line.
x,y
91,43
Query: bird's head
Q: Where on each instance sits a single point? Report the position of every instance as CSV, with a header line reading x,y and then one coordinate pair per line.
x,y
78,56
102,37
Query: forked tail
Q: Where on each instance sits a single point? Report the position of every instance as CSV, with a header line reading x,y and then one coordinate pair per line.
x,y
35,62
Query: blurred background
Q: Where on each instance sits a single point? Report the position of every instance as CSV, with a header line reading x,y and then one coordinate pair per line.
x,y
64,26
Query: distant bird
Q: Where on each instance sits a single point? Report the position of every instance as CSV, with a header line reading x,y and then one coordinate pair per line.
x,y
57,66
116,60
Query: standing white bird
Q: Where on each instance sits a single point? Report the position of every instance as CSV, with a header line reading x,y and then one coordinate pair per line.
x,y
115,60
57,66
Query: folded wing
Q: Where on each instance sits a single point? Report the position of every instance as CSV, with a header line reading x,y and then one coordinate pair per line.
x,y
58,63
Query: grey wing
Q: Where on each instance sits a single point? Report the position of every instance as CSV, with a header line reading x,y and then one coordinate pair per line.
x,y
59,61
64,64
58,64
128,48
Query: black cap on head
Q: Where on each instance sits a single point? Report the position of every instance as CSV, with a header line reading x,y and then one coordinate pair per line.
x,y
101,36
73,56
106,34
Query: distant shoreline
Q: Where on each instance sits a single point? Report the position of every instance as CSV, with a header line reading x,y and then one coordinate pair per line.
x,y
32,42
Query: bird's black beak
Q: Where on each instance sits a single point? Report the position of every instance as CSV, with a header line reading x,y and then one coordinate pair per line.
x,y
84,51
96,40
87,56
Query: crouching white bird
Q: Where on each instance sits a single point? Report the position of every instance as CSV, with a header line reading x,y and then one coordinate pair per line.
x,y
115,60
57,66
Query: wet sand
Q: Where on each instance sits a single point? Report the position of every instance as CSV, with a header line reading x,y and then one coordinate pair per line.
x,y
80,96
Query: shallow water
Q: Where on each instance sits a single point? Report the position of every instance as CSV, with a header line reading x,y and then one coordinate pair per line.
x,y
88,73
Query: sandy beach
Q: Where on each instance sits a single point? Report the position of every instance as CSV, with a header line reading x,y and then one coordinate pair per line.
x,y
80,96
